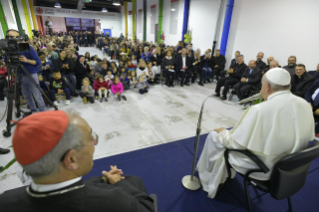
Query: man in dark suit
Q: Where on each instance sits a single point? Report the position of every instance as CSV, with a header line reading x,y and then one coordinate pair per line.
x,y
234,75
251,79
301,81
315,73
312,96
183,64
63,154
219,64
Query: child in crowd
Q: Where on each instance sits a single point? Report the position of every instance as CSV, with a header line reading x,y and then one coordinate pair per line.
x,y
142,86
142,70
133,79
130,66
125,81
151,79
121,63
87,92
58,85
44,88
114,69
109,78
123,71
93,62
117,89
134,60
100,85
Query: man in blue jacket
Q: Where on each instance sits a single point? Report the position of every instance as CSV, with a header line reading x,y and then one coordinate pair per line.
x,y
30,61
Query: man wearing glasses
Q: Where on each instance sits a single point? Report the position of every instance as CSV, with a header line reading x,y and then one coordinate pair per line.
x,y
60,151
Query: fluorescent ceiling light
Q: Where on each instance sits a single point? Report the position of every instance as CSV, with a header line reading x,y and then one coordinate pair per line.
x,y
173,9
57,5
104,10
117,3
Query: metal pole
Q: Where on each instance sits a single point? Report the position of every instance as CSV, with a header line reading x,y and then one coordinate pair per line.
x,y
190,181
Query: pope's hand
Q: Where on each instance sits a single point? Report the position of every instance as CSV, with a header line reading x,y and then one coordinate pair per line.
x,y
317,112
219,129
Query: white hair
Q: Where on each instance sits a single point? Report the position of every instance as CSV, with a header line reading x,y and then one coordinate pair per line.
x,y
49,164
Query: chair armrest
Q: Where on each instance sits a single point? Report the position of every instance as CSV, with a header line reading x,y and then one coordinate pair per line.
x,y
249,154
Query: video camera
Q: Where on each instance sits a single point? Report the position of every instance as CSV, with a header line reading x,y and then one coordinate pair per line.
x,y
46,23
12,48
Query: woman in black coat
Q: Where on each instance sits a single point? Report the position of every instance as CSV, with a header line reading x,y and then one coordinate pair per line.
x,y
82,70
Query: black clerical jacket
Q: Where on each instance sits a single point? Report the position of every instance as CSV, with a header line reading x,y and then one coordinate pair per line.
x,y
220,61
238,71
95,196
254,78
299,86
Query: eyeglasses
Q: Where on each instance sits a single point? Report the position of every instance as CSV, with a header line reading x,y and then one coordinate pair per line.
x,y
94,142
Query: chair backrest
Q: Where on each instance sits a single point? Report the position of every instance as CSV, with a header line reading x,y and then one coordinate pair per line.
x,y
290,173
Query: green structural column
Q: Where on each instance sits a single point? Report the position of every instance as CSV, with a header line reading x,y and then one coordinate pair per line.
x,y
2,20
144,20
160,20
17,15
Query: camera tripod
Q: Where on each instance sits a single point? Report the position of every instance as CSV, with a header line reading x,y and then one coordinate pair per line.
x,y
13,89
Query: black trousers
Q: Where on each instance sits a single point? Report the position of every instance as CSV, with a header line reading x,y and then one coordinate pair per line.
x,y
185,74
170,76
50,31
216,72
226,82
241,90
89,98
195,71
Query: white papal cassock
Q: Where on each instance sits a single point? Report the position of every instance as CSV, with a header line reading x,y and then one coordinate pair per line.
x,y
279,126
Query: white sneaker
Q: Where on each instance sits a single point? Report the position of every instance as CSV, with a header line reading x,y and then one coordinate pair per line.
x,y
56,103
67,102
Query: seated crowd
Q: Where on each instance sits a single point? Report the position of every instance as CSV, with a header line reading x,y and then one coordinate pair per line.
x,y
141,64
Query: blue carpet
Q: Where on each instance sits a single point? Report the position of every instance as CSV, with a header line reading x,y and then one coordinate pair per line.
x,y
162,167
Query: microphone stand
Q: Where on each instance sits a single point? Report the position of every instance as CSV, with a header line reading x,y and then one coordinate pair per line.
x,y
190,181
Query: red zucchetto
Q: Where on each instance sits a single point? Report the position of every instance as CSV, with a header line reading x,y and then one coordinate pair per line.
x,y
37,135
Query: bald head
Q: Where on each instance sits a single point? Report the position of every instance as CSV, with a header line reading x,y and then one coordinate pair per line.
x,y
273,64
269,59
260,56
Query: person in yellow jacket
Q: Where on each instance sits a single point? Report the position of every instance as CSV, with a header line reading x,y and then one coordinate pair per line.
x,y
124,50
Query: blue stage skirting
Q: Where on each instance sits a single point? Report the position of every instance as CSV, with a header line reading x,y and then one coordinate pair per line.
x,y
162,168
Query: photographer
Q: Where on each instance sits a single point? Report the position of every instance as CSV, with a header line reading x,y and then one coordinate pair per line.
x,y
49,24
30,61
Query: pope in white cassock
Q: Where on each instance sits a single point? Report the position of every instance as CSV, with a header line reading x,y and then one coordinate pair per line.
x,y
280,126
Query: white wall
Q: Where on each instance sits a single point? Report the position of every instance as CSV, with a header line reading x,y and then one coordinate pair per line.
x,y
139,5
1,32
171,39
203,15
8,10
278,28
129,21
149,36
122,22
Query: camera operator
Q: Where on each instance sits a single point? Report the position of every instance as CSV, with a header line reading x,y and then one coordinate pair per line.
x,y
30,61
50,26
